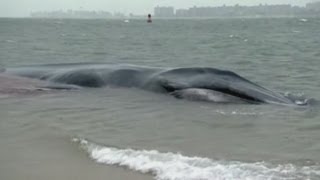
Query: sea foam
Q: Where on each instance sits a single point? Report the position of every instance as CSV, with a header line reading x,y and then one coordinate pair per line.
x,y
175,166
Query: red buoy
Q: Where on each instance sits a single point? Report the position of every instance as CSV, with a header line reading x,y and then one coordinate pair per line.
x,y
149,18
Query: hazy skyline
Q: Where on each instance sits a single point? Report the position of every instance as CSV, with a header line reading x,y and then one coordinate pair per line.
x,y
22,8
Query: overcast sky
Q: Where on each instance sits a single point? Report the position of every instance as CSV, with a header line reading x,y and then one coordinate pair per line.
x,y
18,8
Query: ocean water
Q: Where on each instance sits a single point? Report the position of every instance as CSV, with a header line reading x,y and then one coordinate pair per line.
x,y
118,133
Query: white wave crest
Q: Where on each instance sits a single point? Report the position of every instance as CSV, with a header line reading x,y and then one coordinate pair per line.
x,y
174,166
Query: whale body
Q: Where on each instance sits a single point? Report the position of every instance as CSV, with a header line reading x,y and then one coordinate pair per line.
x,y
195,83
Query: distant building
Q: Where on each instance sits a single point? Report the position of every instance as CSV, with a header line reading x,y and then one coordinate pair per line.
x,y
313,6
163,11
182,13
282,10
262,10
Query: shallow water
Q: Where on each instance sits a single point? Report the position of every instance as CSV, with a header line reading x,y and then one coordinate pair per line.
x,y
153,135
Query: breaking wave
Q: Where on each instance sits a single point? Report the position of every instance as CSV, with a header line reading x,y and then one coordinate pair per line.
x,y
175,166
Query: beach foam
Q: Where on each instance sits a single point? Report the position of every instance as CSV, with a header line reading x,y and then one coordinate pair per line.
x,y
175,166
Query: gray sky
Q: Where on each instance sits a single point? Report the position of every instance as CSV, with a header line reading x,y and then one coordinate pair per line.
x,y
18,8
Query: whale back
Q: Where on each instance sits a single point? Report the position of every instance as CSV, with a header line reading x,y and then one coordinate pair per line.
x,y
87,75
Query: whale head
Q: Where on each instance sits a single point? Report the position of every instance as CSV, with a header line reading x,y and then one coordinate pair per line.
x,y
217,86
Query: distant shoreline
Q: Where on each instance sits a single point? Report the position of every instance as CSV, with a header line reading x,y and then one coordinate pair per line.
x,y
166,18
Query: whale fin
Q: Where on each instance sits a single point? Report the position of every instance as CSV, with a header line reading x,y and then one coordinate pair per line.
x,y
198,94
58,86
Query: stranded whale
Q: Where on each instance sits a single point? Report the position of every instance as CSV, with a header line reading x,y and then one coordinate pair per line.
x,y
195,83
